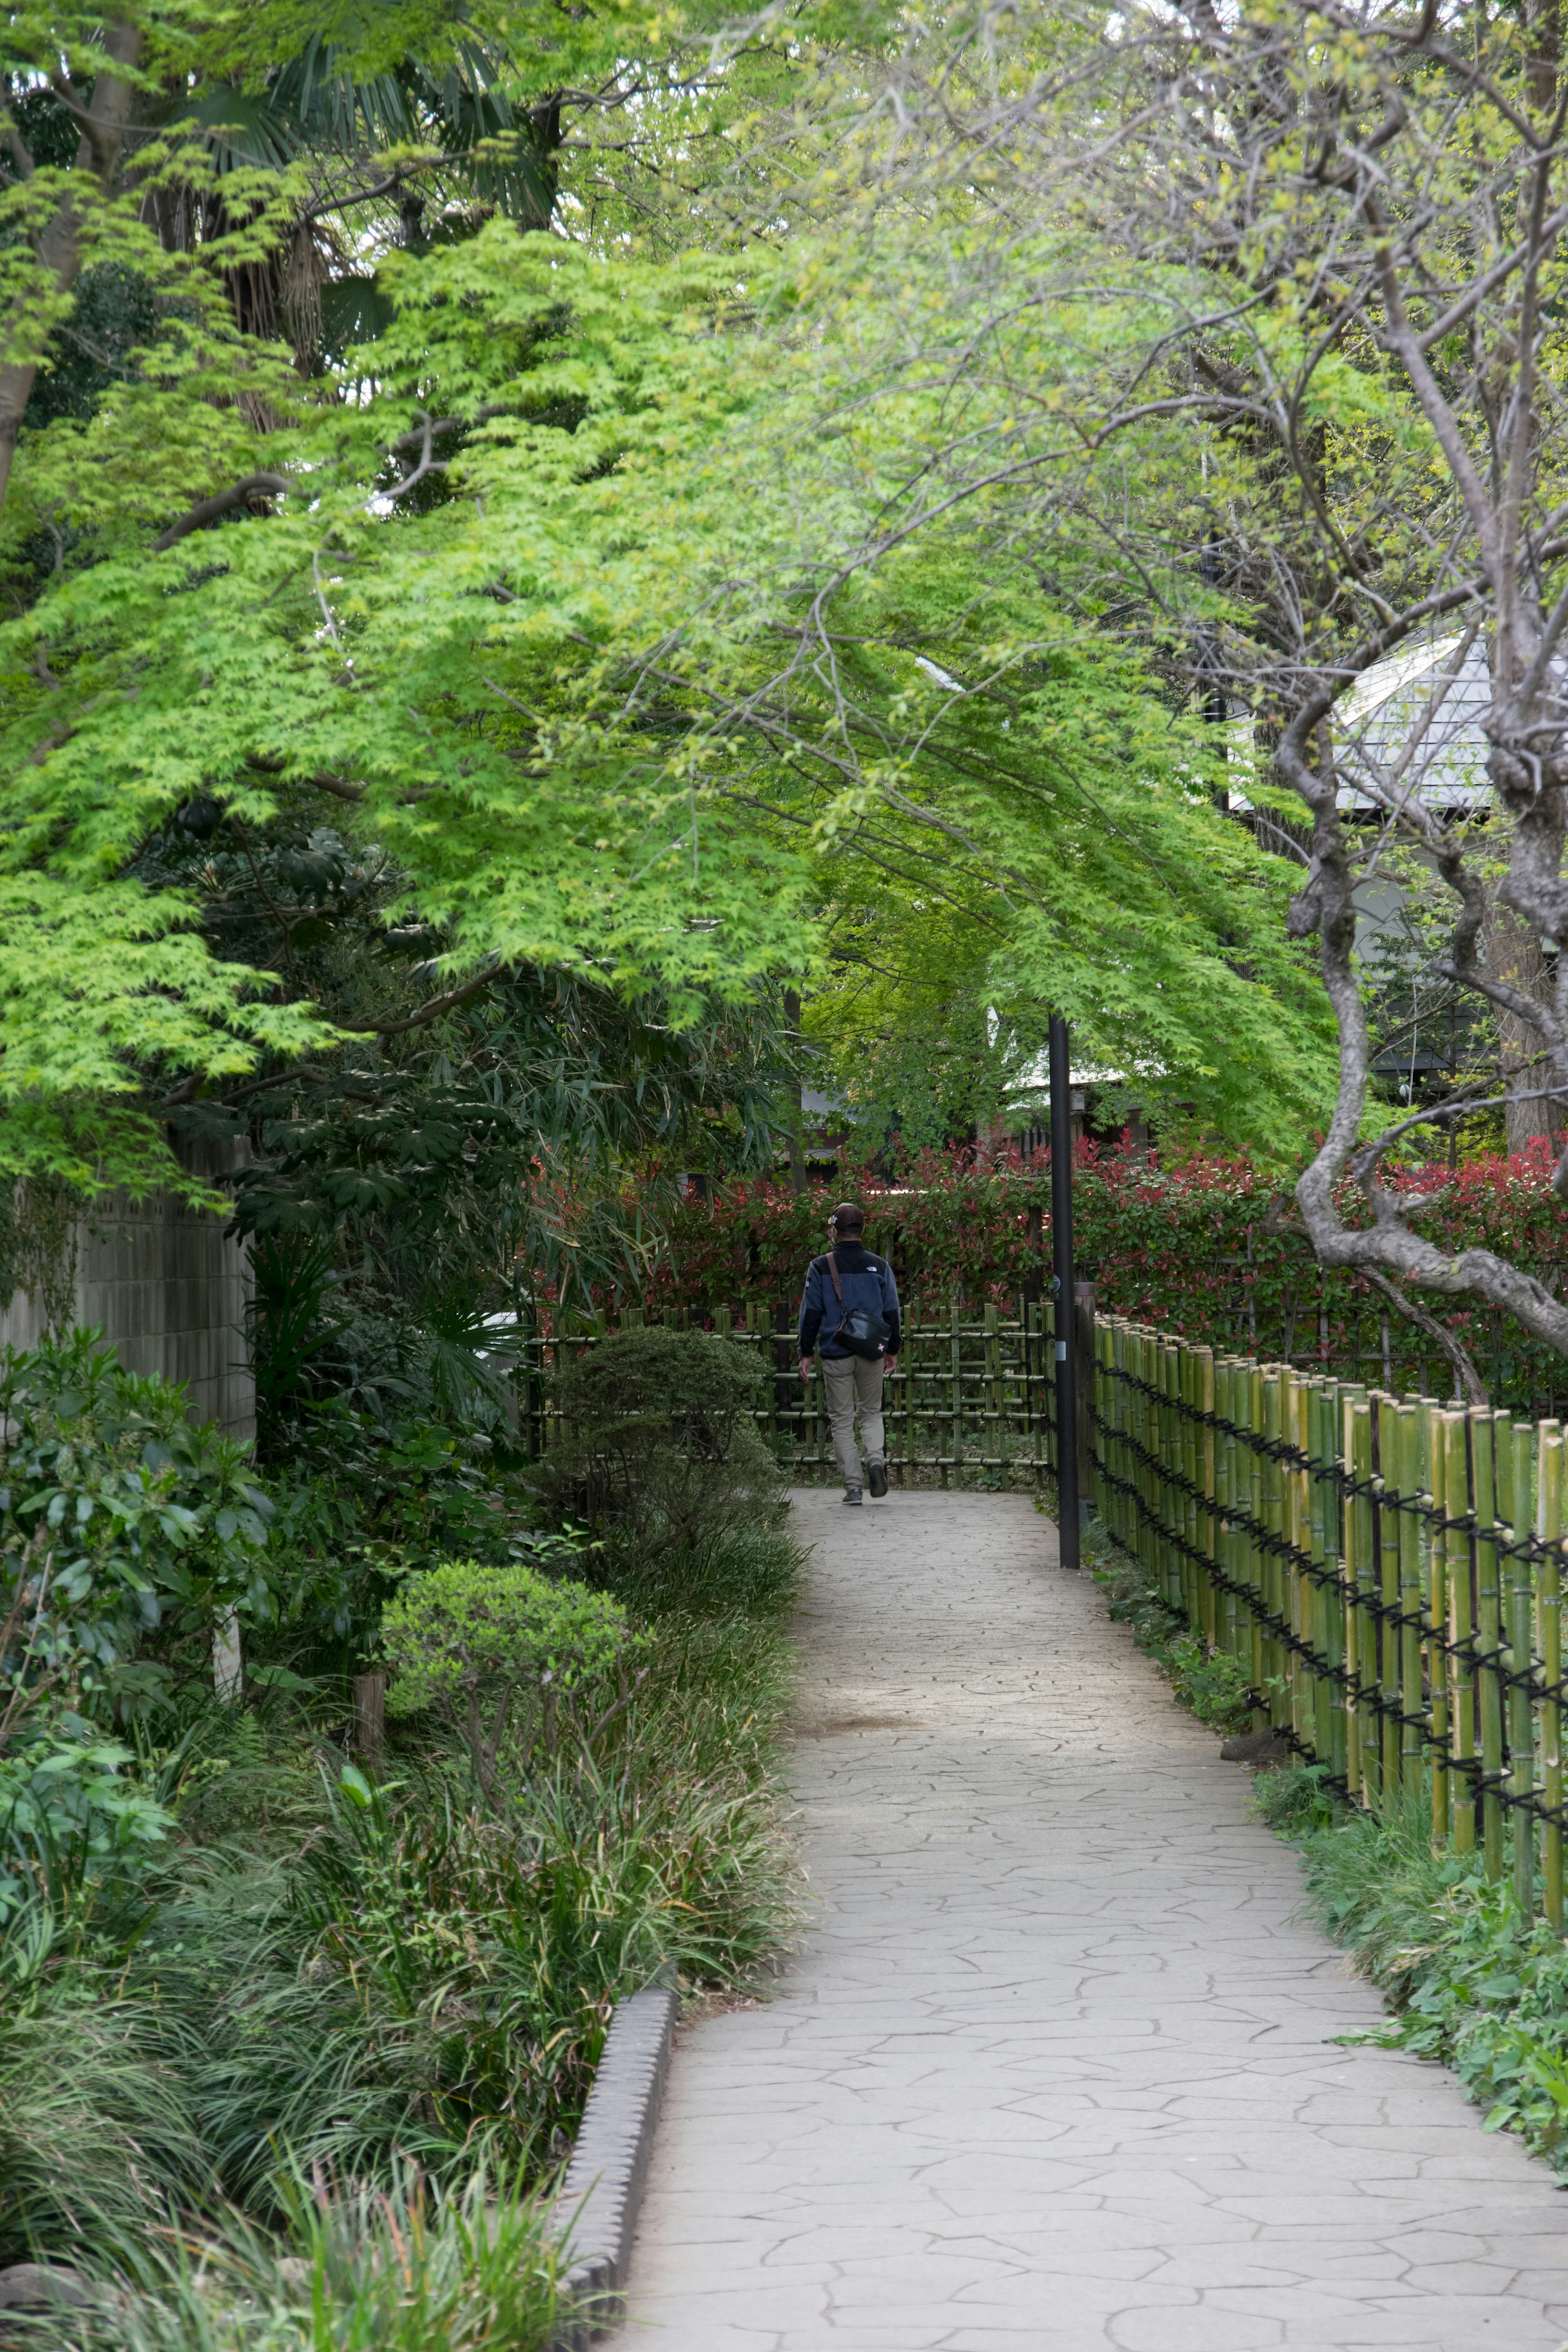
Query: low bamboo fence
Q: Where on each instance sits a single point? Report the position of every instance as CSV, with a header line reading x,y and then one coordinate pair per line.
x,y
972,1398
1386,1569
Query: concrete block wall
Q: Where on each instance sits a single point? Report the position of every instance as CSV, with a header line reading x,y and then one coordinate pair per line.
x,y
170,1288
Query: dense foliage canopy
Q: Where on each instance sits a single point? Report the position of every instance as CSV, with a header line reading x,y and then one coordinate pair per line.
x,y
578,606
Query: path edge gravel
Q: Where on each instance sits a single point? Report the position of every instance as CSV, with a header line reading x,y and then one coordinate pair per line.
x,y
602,2193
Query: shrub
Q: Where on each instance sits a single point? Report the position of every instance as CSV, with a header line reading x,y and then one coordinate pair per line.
x,y
662,1442
359,1501
70,1816
466,1639
117,1520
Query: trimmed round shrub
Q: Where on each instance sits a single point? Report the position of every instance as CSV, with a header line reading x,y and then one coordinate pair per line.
x,y
470,1642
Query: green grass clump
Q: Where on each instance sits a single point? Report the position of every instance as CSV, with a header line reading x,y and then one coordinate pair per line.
x,y
470,2264
390,1983
1470,1981
1211,1682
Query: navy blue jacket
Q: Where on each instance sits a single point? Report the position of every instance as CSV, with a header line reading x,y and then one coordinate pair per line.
x,y
866,1281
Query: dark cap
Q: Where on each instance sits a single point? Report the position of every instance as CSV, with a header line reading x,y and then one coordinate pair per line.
x,y
848,1218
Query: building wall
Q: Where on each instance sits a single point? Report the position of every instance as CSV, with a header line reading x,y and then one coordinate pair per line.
x,y
169,1289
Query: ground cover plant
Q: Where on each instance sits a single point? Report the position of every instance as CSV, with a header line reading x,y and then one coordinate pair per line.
x,y
322,2008
1207,1680
1470,1981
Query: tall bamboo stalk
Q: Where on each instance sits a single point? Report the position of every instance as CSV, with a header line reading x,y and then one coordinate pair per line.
x,y
1464,1745
1412,1747
1520,1621
1437,1621
1385,1469
1488,1636
1548,1602
1204,1397
1361,1655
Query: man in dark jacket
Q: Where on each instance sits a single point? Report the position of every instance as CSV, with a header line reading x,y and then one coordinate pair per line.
x,y
854,1384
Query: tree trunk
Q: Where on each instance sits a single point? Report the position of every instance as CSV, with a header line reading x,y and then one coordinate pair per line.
x,y
1513,954
796,1133
59,247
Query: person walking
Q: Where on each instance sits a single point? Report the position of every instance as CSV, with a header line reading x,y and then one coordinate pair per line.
x,y
850,1314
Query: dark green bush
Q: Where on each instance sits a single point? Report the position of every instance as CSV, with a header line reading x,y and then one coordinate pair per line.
x,y
662,1447
124,1532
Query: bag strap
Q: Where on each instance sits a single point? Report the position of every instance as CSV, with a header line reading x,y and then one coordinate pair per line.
x,y
838,1285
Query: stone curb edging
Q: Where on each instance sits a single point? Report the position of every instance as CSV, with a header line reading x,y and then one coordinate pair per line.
x,y
603,2189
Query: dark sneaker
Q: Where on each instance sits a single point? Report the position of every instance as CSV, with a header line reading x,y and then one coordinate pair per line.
x,y
852,1495
877,1473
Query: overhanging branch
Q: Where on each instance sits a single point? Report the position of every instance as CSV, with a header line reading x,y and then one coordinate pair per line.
x,y
213,509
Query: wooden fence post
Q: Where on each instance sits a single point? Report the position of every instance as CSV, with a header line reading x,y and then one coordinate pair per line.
x,y
370,1715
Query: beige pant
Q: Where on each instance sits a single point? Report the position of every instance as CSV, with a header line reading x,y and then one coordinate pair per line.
x,y
854,1389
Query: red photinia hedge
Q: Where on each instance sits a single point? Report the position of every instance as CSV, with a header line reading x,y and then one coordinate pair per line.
x,y
1184,1247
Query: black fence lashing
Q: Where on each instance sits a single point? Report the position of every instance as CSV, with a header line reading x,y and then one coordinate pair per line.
x,y
1385,1569
973,1395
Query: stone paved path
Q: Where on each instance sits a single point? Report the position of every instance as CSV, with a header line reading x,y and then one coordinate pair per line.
x,y
1052,2070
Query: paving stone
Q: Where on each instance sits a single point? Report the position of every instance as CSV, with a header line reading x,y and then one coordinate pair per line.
x,y
1053,2069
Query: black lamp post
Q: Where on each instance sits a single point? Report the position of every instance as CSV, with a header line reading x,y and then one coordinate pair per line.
x,y
1062,1265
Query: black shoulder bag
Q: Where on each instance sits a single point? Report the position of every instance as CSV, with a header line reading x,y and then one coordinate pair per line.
x,y
862,1332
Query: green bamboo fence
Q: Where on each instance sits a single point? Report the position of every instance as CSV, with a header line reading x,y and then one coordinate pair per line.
x,y
973,1397
1387,1571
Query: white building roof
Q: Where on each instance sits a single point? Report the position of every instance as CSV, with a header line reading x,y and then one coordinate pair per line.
x,y
1374,719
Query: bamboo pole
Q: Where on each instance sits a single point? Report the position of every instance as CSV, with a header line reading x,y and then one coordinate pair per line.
x,y
1153,1484
1488,1636
1319,1728
1251,1419
1271,1565
1521,1619
1461,1627
1225,1608
1331,1448
1175,1501
993,1383
1360,1663
1203,1396
907,1345
1192,1466
1412,1703
1300,1585
1385,1473
1437,1622
1237,1497
1548,1598
956,1342
1148,1371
